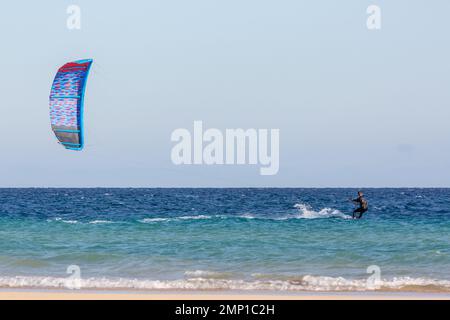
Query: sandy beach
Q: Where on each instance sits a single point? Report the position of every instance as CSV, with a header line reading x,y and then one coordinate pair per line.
x,y
158,295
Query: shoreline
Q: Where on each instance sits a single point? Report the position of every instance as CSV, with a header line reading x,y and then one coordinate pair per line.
x,y
38,294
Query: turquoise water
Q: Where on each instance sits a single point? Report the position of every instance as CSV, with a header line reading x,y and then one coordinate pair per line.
x,y
246,239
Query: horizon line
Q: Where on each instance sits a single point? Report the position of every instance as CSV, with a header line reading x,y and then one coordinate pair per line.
x,y
219,187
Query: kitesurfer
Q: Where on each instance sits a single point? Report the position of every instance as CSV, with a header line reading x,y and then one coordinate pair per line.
x,y
363,206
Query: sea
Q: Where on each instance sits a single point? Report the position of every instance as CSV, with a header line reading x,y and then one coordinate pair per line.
x,y
246,239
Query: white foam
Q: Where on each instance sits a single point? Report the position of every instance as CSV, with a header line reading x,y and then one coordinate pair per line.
x,y
100,222
305,283
198,217
205,274
306,212
64,221
262,217
79,222
70,221
150,220
248,216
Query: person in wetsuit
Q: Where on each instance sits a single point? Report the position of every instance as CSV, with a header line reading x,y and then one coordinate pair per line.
x,y
363,206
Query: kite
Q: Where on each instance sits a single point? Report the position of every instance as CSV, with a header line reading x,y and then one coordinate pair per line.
x,y
67,103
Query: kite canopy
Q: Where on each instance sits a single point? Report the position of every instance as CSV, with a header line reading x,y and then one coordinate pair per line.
x,y
66,103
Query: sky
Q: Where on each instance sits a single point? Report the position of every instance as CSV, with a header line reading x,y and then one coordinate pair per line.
x,y
355,107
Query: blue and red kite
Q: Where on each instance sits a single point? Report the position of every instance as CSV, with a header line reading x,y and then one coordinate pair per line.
x,y
66,103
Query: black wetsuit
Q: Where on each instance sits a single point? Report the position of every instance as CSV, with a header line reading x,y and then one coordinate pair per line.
x,y
363,207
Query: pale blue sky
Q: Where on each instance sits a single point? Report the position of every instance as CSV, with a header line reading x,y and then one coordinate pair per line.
x,y
354,107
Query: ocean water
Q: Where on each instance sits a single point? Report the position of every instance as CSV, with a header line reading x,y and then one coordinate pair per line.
x,y
225,239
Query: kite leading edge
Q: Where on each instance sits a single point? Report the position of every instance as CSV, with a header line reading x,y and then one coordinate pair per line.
x,y
67,102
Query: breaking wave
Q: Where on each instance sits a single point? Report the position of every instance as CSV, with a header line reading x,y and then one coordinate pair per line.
x,y
204,280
